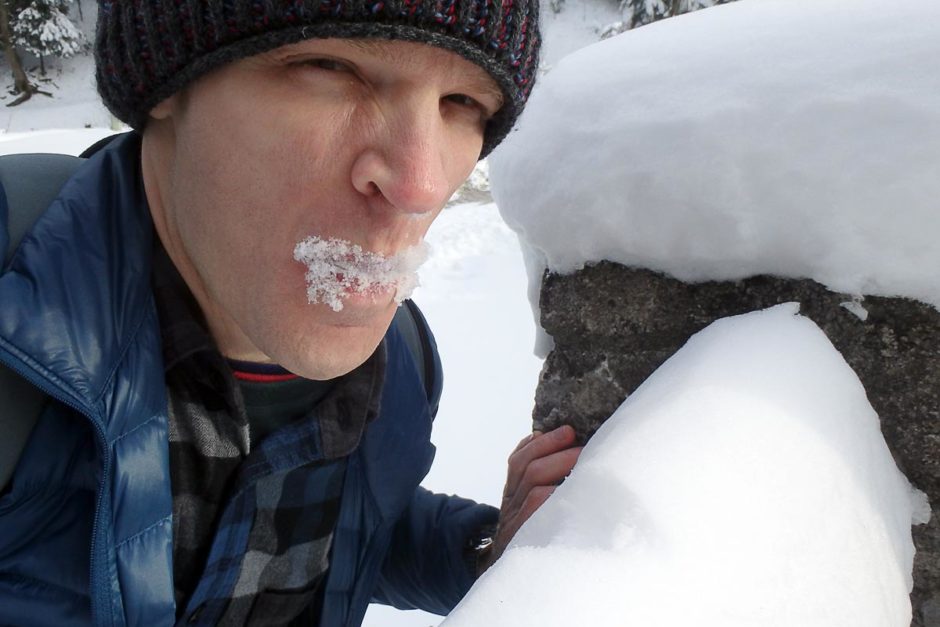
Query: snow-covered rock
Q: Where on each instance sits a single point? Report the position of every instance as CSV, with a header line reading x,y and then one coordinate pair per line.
x,y
745,483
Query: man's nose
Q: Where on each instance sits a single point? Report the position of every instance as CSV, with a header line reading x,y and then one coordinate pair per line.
x,y
406,165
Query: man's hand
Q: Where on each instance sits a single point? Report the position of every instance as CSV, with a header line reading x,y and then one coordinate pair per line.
x,y
540,462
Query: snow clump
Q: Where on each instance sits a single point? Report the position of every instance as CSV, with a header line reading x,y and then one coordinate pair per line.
x,y
337,268
798,138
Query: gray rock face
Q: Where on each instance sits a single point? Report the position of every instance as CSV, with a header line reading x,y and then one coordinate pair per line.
x,y
613,326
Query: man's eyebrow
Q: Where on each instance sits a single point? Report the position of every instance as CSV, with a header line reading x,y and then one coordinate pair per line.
x,y
478,82
488,87
377,48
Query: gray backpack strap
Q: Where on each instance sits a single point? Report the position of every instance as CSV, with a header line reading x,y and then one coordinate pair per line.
x,y
21,404
30,183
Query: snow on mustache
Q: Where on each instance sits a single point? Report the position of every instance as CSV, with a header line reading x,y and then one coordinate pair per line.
x,y
337,269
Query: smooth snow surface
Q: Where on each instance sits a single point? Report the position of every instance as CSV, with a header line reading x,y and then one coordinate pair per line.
x,y
745,483
793,137
337,268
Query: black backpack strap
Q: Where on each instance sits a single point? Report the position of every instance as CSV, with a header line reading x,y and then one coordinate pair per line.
x,y
414,329
29,183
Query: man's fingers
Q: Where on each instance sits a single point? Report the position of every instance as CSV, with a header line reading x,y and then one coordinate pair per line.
x,y
538,464
534,500
549,470
525,441
544,471
536,447
510,523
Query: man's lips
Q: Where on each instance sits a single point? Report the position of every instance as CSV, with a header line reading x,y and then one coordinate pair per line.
x,y
337,269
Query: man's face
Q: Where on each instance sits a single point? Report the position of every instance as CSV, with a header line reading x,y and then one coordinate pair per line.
x,y
362,141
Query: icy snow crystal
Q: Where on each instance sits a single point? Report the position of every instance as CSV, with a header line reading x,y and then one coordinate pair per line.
x,y
337,268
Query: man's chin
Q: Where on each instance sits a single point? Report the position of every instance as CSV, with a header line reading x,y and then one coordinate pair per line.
x,y
362,309
340,345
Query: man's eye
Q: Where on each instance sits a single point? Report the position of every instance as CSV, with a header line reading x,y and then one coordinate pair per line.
x,y
330,65
469,102
464,100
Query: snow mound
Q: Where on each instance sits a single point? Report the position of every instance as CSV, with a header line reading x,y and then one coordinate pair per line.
x,y
745,483
799,138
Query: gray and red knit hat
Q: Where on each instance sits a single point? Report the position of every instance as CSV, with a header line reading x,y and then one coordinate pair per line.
x,y
146,50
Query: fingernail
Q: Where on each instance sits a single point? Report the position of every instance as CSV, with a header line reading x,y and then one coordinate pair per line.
x,y
563,432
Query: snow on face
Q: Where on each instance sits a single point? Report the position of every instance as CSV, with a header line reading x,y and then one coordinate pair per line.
x,y
799,138
337,269
746,482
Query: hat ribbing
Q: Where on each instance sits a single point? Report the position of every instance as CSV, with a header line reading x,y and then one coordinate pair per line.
x,y
147,50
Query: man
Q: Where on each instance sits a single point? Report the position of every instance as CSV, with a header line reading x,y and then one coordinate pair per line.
x,y
233,433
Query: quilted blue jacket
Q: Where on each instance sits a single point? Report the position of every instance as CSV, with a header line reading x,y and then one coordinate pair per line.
x,y
86,523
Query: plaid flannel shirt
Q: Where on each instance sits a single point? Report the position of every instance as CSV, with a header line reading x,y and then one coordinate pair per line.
x,y
252,522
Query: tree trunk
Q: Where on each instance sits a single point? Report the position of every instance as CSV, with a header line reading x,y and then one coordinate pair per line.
x,y
21,84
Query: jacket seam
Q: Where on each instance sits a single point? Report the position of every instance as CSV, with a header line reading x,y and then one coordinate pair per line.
x,y
143,531
43,373
35,489
127,433
131,338
9,577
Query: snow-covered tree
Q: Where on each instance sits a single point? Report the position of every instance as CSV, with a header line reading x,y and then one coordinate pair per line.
x,y
38,27
43,27
645,11
21,82
641,12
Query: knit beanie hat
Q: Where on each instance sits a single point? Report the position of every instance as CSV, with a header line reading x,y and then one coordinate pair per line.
x,y
147,50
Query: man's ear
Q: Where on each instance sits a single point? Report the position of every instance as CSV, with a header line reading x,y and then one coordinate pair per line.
x,y
165,108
